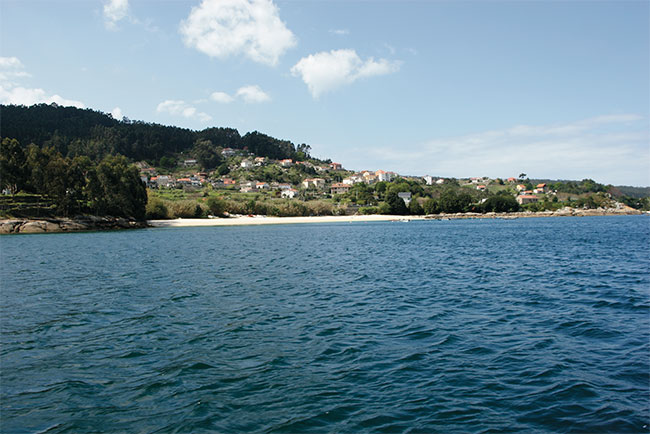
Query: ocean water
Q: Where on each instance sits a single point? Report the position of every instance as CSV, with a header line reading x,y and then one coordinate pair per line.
x,y
529,325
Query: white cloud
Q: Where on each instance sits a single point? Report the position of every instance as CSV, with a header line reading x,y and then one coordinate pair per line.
x,y
115,11
11,68
117,113
11,92
610,149
221,97
252,94
24,96
326,71
181,108
223,28
340,32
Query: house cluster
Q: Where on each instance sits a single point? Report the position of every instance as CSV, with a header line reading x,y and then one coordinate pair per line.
x,y
530,196
286,163
430,180
369,177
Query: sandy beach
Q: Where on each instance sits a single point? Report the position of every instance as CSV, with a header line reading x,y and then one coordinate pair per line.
x,y
262,220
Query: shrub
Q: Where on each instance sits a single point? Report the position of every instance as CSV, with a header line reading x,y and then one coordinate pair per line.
x,y
156,209
367,210
185,209
216,206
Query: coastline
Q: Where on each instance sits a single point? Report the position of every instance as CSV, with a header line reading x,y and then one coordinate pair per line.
x,y
263,220
94,223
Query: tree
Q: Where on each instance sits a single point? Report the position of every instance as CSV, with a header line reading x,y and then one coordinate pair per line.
x,y
206,154
500,203
415,208
396,205
13,169
118,190
431,206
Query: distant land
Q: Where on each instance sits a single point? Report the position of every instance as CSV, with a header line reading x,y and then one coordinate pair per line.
x,y
63,162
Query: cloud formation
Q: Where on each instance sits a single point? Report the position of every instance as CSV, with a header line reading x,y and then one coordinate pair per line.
x,y
115,11
224,28
329,70
181,108
11,92
221,97
251,94
610,149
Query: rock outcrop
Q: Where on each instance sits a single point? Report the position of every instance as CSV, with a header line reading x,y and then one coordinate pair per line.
x,y
82,223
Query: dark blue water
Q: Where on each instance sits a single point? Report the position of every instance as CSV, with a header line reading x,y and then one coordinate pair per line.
x,y
538,325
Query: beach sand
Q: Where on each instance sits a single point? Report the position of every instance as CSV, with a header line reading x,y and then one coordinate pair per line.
x,y
261,220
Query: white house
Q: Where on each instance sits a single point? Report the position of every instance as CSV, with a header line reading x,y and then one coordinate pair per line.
x,y
313,182
289,193
246,164
384,176
428,179
288,162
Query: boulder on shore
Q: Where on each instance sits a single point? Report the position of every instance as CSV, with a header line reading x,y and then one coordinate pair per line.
x,y
81,223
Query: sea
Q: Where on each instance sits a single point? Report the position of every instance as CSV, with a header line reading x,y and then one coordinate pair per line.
x,y
529,325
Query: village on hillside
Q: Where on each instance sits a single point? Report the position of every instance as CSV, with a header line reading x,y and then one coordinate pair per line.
x,y
250,184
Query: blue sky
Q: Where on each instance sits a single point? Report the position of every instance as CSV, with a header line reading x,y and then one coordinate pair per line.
x,y
556,89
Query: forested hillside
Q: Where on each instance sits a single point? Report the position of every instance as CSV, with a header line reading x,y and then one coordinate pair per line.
x,y
75,132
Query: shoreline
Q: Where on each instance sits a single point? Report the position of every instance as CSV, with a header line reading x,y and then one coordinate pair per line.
x,y
94,223
263,220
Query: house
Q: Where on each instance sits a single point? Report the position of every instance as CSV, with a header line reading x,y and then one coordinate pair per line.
x,y
228,181
262,186
339,187
405,196
184,181
162,181
284,186
188,163
511,180
541,188
440,181
336,166
287,162
228,152
428,179
354,179
289,193
313,183
520,187
384,176
480,187
260,161
526,198
246,164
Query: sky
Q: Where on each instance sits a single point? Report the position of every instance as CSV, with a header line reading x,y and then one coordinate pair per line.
x,y
553,89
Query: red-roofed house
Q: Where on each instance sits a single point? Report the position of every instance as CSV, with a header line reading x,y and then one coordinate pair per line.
x,y
527,198
339,188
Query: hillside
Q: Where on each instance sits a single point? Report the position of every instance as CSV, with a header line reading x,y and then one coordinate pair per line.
x,y
84,132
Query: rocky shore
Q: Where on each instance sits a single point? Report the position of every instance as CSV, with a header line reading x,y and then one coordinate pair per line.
x,y
564,212
83,223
